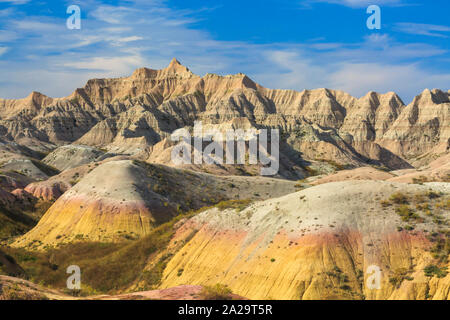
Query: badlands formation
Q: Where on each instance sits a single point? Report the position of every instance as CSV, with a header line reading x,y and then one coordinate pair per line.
x,y
314,244
362,182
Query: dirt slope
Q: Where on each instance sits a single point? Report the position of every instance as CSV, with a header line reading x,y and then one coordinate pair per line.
x,y
126,199
318,244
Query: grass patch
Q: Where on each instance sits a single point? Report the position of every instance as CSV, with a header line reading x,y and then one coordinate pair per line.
x,y
433,195
105,267
406,213
45,168
399,198
440,249
399,276
420,180
217,292
311,171
239,205
433,270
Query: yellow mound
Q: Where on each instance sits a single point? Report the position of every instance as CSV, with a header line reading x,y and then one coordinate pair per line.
x,y
315,244
126,199
113,201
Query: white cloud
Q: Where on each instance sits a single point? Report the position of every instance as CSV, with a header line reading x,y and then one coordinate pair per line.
x,y
293,70
423,29
114,41
361,3
129,39
361,78
3,50
378,64
36,26
6,12
111,14
6,36
15,1
111,65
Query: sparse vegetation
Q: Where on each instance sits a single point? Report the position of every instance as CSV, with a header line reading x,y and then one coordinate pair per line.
x,y
440,249
311,171
399,198
433,270
45,168
424,202
406,213
446,178
399,276
385,203
16,221
216,292
433,195
12,291
239,205
107,267
420,180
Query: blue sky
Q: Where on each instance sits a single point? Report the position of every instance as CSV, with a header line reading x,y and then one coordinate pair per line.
x,y
278,43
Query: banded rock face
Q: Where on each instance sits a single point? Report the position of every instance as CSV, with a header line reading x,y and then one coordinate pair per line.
x,y
72,156
126,199
313,244
132,114
372,115
112,198
423,125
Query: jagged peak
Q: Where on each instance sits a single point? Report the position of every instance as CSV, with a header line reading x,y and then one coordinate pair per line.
x,y
36,94
390,95
176,67
438,92
325,92
236,75
378,95
372,98
393,96
372,94
434,96
174,62
239,78
37,99
144,73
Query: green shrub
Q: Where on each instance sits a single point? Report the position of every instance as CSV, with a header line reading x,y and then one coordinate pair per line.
x,y
239,205
432,270
399,198
406,213
385,203
399,276
106,267
433,195
217,292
